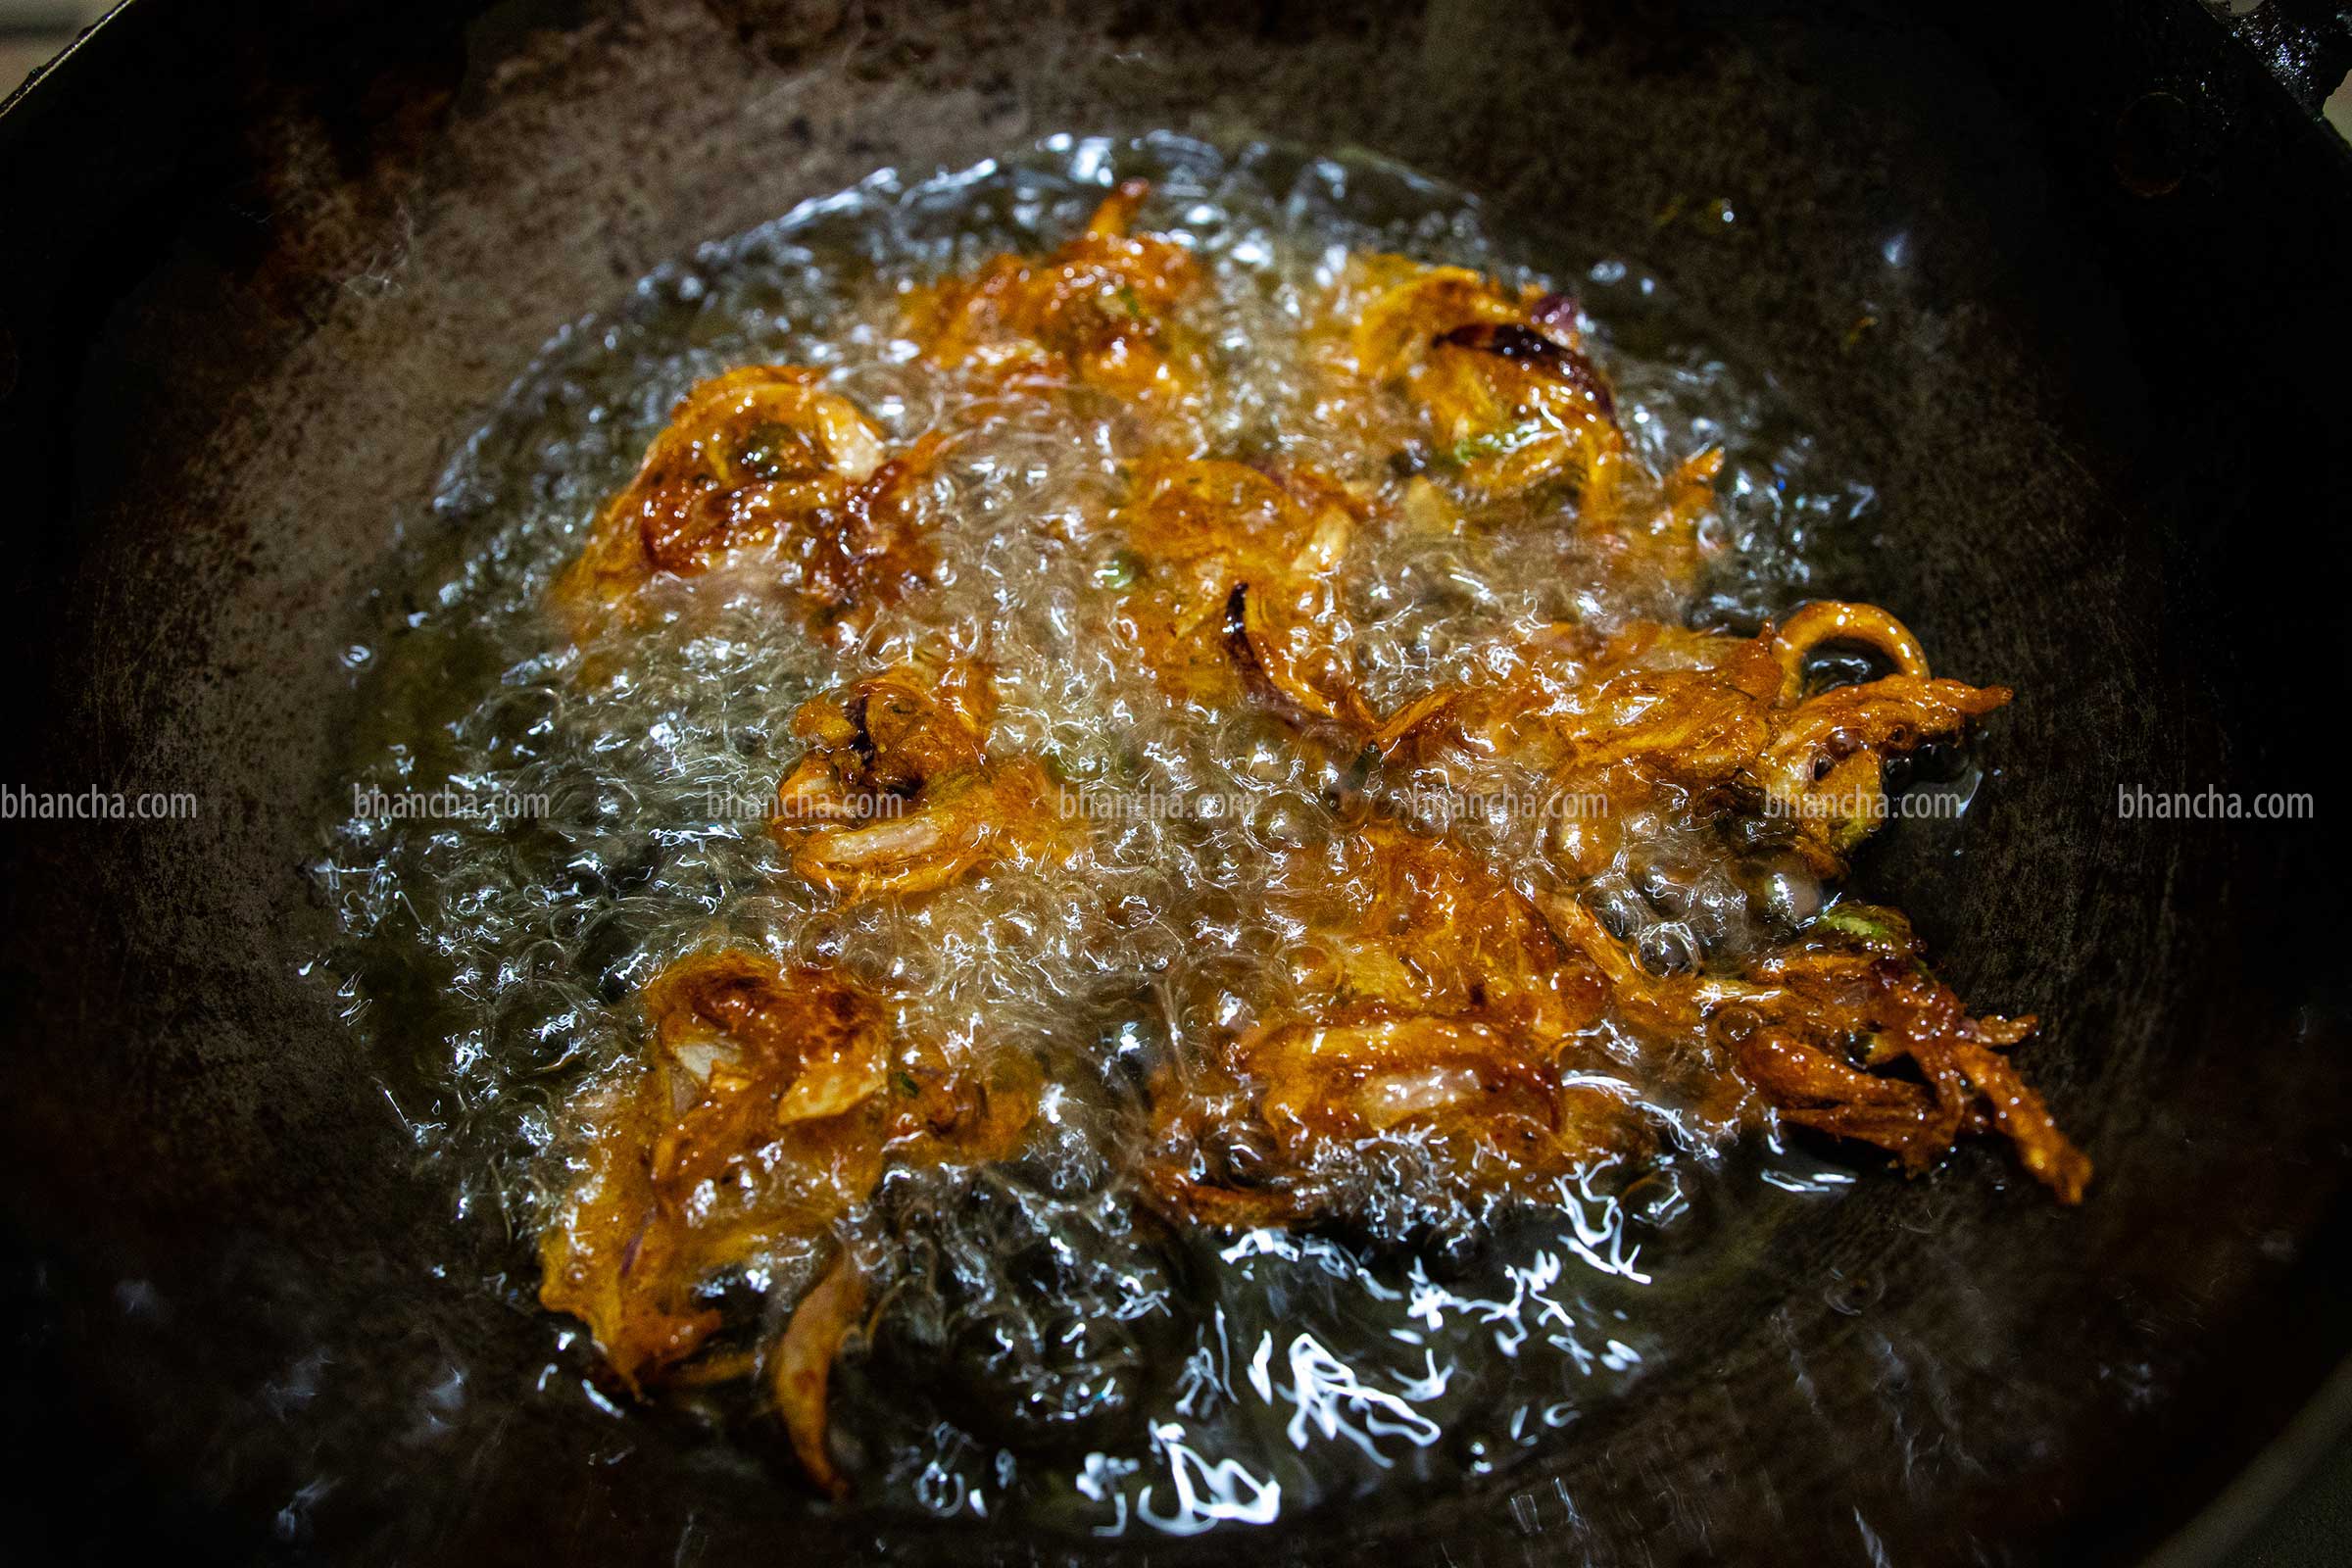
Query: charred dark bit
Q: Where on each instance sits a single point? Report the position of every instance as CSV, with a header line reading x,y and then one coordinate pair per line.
x,y
1524,345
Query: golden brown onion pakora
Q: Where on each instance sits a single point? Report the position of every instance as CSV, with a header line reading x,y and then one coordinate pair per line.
x,y
1657,706
1514,406
1237,584
768,1106
897,793
1846,1032
760,459
1097,311
1434,1009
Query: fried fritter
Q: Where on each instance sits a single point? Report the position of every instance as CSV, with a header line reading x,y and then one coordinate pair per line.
x,y
897,792
1096,311
760,465
1238,585
1515,407
1439,1019
768,1103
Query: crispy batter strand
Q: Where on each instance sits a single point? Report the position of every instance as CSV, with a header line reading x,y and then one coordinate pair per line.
x,y
804,1365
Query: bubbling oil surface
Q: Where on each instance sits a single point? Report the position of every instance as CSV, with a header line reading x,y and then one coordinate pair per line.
x,y
538,829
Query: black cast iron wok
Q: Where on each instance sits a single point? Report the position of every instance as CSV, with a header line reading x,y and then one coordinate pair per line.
x,y
264,265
